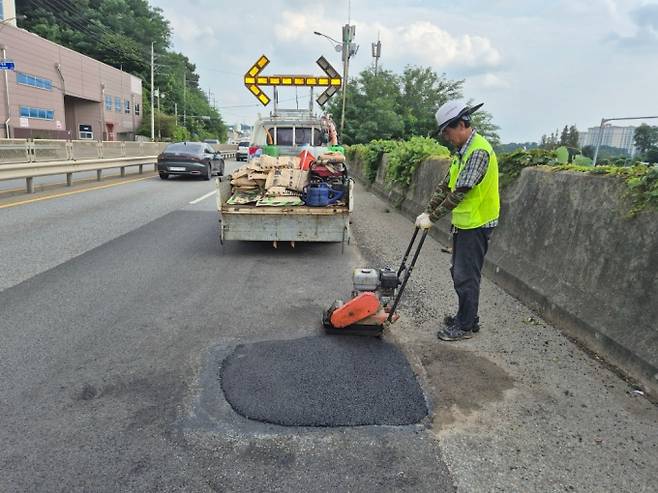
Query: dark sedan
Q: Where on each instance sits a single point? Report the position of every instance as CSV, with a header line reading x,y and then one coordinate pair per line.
x,y
190,158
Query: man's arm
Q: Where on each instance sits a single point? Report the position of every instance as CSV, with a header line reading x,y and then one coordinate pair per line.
x,y
439,195
471,175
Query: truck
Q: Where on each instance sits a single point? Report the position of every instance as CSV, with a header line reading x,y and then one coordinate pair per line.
x,y
290,131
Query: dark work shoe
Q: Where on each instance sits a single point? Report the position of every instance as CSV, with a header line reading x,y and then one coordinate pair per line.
x,y
454,333
450,320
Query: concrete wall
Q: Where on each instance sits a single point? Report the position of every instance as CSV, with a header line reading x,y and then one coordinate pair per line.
x,y
565,247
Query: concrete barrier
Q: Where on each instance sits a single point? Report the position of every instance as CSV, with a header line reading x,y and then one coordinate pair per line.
x,y
14,150
50,150
566,247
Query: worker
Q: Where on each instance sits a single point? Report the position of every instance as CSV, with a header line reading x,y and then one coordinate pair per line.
x,y
470,192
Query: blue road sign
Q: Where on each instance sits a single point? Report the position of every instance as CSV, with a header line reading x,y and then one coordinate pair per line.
x,y
7,65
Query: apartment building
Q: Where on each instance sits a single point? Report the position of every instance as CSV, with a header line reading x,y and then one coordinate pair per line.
x,y
613,136
55,92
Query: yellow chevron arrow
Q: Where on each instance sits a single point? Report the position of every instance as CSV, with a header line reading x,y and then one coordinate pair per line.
x,y
253,79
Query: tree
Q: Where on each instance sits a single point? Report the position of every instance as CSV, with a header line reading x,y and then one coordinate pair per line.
x,y
564,136
652,155
422,92
588,151
646,138
573,138
391,106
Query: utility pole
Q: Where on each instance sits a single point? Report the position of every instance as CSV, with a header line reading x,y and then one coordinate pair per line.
x,y
348,36
184,98
377,52
176,113
152,89
159,117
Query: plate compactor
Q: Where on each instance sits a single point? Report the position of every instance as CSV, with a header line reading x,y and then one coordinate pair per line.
x,y
375,297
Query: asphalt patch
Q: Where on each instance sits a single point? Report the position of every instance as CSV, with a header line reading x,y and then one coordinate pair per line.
x,y
323,381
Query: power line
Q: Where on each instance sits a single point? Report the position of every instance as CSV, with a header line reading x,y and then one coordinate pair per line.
x,y
76,22
74,26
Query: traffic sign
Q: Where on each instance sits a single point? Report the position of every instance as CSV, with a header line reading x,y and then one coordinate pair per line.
x,y
7,65
331,80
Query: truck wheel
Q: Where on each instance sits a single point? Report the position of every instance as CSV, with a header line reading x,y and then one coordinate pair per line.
x,y
163,176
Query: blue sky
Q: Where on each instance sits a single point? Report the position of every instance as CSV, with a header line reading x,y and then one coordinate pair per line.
x,y
537,65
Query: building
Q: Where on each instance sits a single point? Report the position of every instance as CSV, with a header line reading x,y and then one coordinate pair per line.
x,y
620,137
8,12
55,92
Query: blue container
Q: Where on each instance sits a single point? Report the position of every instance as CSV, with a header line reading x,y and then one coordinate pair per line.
x,y
320,195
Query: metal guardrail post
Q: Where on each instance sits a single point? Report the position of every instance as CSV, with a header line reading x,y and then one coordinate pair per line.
x,y
29,150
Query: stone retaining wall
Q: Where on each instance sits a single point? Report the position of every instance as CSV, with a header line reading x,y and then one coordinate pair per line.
x,y
565,247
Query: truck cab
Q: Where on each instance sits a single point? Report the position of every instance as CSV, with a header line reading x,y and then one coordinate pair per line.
x,y
290,131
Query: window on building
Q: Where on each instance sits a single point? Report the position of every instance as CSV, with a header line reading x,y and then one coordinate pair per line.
x,y
34,81
117,104
36,113
127,106
137,108
108,103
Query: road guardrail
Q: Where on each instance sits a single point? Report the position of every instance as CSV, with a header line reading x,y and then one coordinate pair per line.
x,y
28,159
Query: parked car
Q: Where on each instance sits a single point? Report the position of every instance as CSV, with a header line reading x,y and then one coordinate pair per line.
x,y
190,158
243,151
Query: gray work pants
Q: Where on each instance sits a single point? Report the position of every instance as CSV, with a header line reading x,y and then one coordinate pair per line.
x,y
469,246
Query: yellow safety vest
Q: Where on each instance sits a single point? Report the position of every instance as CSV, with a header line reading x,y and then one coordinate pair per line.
x,y
482,202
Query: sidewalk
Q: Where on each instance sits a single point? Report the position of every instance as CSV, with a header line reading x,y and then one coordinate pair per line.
x,y
519,407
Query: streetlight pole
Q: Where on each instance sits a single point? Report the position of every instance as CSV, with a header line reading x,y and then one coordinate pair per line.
x,y
604,121
152,89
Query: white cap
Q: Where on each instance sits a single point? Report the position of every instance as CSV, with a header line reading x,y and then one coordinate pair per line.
x,y
452,111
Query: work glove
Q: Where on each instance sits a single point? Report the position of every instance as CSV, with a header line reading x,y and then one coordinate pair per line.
x,y
423,221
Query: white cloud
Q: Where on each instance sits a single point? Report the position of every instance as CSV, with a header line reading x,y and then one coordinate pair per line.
x,y
188,29
427,42
490,81
418,42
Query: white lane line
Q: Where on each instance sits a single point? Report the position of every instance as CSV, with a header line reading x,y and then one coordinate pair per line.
x,y
196,201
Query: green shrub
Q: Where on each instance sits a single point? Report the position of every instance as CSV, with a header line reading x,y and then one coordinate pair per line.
x,y
405,158
510,165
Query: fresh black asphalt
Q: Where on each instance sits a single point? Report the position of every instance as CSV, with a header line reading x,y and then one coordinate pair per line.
x,y
323,381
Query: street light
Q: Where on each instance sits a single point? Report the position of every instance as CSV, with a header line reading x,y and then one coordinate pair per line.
x,y
348,50
7,124
604,122
337,46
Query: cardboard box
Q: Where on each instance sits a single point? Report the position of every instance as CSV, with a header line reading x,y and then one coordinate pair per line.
x,y
293,179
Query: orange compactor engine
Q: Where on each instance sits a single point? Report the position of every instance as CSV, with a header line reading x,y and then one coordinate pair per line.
x,y
375,296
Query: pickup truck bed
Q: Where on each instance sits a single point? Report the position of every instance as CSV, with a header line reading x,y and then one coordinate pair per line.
x,y
299,223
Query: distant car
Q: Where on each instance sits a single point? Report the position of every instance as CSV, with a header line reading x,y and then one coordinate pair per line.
x,y
243,151
211,141
190,158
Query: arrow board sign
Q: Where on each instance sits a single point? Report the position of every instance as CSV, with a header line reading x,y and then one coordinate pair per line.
x,y
331,80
